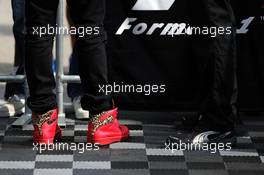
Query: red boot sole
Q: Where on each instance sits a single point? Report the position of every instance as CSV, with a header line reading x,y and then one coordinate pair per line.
x,y
57,137
108,140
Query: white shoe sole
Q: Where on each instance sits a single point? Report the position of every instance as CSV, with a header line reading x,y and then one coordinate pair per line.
x,y
82,117
12,113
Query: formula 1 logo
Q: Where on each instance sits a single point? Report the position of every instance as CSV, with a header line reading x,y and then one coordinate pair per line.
x,y
143,28
155,5
245,25
149,5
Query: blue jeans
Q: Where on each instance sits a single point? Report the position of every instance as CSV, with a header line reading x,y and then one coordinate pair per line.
x,y
18,7
73,89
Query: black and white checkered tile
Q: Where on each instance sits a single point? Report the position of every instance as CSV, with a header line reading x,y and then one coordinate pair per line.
x,y
142,154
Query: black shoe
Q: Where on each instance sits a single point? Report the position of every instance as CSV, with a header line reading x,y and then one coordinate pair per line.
x,y
207,137
197,131
215,137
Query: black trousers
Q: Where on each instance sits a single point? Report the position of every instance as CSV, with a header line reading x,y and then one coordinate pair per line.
x,y
18,8
90,49
218,105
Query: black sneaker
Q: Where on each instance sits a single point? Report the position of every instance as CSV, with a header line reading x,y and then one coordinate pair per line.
x,y
207,137
196,130
215,137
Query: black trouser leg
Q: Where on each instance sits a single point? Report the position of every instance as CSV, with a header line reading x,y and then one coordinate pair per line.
x,y
38,62
18,8
218,106
91,53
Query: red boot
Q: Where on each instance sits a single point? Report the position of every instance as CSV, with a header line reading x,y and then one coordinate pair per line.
x,y
46,127
105,129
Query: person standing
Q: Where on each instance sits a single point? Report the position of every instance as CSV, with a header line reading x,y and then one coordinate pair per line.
x,y
104,127
218,113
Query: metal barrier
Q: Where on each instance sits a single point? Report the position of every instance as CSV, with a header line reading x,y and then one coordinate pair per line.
x,y
60,77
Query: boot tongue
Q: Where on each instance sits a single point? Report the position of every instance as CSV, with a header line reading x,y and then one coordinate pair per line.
x,y
114,112
105,114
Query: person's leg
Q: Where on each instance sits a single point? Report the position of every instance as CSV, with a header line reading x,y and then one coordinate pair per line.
x,y
218,108
90,49
74,90
42,100
40,13
14,92
218,111
91,53
18,8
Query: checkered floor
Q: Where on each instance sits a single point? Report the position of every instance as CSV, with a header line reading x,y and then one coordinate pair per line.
x,y
142,154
